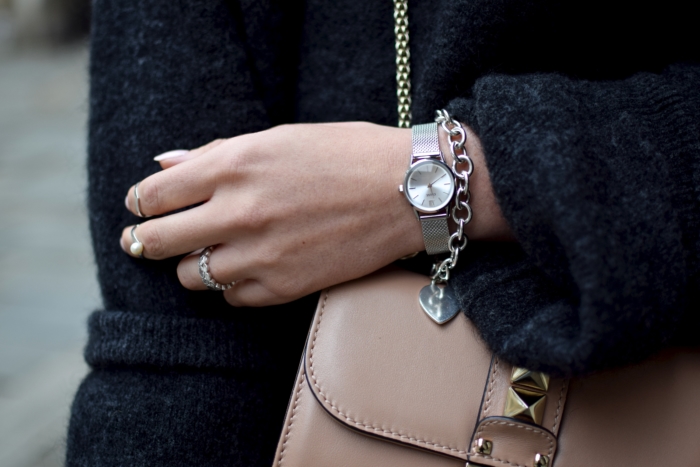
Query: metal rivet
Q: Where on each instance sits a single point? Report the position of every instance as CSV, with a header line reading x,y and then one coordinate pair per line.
x,y
484,446
541,461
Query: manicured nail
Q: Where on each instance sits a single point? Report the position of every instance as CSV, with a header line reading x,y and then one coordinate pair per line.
x,y
126,202
121,243
170,155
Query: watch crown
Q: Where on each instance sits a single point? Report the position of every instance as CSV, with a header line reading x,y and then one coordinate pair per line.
x,y
400,188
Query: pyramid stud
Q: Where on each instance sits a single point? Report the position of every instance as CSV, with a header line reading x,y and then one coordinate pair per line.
x,y
530,379
525,404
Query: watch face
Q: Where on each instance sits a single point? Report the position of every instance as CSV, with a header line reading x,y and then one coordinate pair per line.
x,y
429,185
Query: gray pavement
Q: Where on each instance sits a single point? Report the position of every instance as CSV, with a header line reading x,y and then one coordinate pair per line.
x,y
47,274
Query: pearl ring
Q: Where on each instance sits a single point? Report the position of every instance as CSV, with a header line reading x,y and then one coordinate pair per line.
x,y
136,247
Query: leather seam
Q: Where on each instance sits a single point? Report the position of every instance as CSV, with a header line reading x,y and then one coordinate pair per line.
x,y
349,419
492,383
288,430
517,425
559,406
482,403
500,460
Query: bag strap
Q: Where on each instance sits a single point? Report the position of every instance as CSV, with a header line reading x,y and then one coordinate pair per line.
x,y
403,63
520,417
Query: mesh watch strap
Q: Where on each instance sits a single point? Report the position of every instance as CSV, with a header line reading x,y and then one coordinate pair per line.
x,y
436,235
426,145
425,141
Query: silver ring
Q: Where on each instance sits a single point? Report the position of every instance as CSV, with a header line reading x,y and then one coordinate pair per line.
x,y
136,247
204,273
138,202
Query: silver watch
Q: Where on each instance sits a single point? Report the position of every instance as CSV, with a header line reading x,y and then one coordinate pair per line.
x,y
430,186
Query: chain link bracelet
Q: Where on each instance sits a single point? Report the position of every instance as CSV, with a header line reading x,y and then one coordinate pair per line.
x,y
462,168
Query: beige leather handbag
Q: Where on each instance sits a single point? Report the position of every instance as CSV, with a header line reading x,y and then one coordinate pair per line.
x,y
380,384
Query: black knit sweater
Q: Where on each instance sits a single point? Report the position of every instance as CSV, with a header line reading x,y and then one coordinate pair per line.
x,y
589,114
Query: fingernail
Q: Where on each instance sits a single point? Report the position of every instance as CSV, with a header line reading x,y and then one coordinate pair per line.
x,y
170,155
121,243
126,202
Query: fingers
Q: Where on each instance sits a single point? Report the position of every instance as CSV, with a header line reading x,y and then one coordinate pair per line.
x,y
178,156
251,293
174,235
227,265
245,292
181,186
188,273
174,155
178,187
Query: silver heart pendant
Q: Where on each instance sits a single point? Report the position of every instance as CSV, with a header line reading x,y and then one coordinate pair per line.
x,y
439,302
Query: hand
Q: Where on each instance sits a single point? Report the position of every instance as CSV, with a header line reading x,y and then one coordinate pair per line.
x,y
293,209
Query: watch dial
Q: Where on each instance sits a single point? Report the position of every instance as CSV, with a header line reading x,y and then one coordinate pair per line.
x,y
429,186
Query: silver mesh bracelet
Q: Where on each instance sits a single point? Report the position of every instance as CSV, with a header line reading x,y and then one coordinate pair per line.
x,y
436,235
436,231
426,144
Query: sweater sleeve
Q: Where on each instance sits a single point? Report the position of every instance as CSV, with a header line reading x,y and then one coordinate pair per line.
x,y
163,75
599,182
179,378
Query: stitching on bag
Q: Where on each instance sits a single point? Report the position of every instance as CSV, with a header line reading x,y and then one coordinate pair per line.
x,y
500,460
517,425
494,373
349,419
559,405
288,430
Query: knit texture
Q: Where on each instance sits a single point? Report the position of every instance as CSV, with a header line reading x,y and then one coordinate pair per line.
x,y
599,183
589,118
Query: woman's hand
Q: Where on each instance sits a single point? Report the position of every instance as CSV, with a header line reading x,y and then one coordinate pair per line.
x,y
292,209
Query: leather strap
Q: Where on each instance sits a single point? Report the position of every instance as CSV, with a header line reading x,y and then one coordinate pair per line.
x,y
518,439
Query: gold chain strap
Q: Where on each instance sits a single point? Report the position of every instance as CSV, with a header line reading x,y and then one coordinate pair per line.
x,y
403,63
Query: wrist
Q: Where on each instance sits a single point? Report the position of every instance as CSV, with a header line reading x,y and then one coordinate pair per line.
x,y
408,225
429,187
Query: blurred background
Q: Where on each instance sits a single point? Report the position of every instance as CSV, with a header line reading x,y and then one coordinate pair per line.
x,y
47,275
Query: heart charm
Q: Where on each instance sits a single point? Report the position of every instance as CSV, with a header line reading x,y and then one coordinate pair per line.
x,y
439,303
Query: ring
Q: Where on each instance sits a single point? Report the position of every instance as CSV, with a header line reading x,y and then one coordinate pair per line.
x,y
204,273
138,201
136,247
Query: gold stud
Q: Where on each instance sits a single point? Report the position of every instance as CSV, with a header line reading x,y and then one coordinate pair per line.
x,y
541,461
530,379
525,404
484,446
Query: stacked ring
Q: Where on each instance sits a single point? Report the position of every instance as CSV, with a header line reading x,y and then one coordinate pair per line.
x,y
205,274
138,202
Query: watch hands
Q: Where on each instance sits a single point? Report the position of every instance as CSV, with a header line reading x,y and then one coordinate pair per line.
x,y
430,185
437,179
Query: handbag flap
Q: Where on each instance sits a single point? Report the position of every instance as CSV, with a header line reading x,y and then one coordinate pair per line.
x,y
411,391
